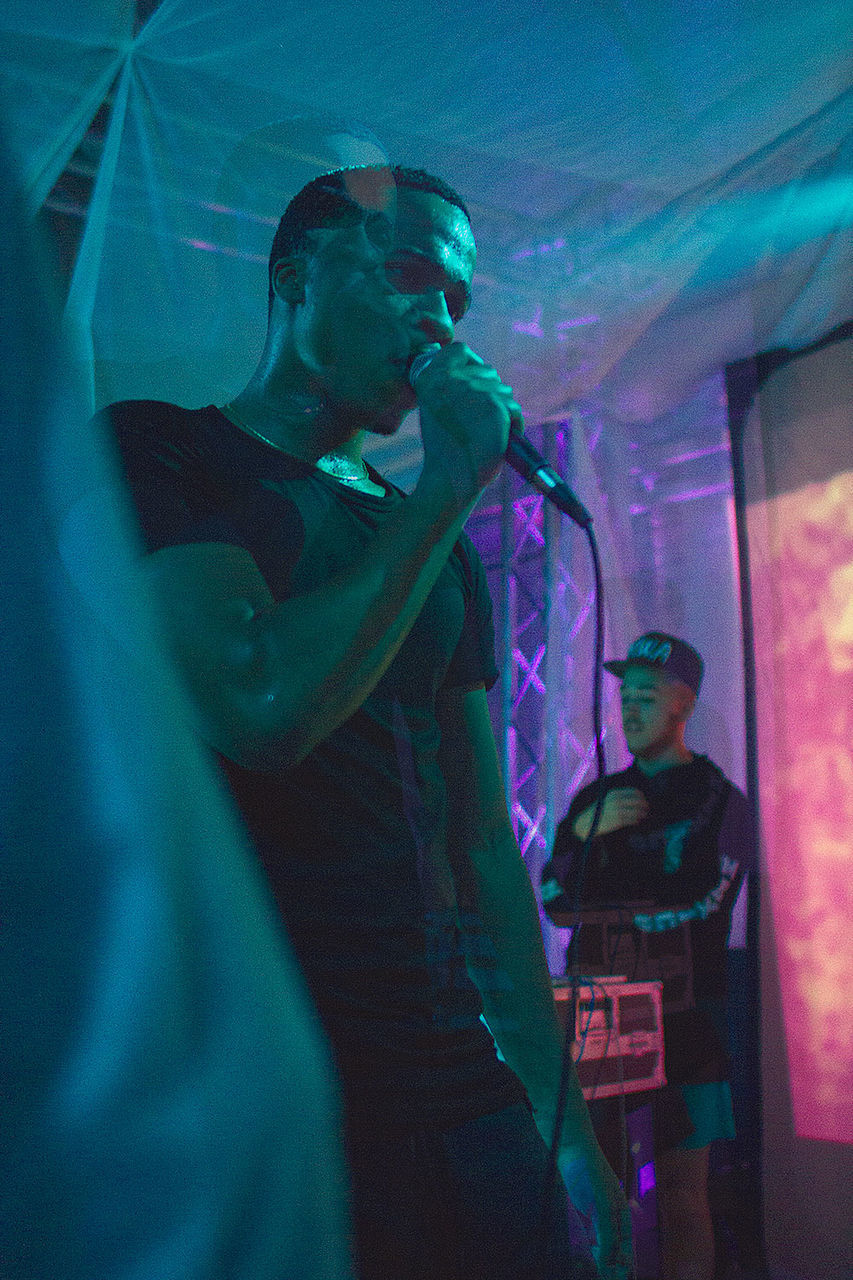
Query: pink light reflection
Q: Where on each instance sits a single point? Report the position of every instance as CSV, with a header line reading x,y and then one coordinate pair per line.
x,y
224,250
530,668
244,215
694,454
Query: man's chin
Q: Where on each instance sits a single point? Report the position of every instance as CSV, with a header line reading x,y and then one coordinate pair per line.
x,y
387,422
381,427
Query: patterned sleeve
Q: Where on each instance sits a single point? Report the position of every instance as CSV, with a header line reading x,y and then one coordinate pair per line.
x,y
737,830
735,843
473,662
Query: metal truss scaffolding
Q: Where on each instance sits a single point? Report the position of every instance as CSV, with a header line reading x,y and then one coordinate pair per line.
x,y
542,606
661,498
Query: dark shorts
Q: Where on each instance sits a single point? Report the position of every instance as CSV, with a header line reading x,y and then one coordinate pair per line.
x,y
692,1113
711,1114
461,1204
684,1116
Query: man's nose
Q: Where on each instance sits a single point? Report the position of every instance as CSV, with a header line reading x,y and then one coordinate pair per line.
x,y
434,319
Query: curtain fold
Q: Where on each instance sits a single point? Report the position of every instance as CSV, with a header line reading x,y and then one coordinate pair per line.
x,y
797,461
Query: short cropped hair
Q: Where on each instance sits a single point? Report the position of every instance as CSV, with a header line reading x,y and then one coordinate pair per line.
x,y
327,202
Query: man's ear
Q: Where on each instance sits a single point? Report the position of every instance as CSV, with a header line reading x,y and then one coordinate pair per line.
x,y
688,704
288,280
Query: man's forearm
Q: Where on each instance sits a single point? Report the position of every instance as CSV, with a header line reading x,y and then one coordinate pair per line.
x,y
507,961
519,1005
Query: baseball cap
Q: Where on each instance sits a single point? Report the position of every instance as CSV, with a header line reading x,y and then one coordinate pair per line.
x,y
675,658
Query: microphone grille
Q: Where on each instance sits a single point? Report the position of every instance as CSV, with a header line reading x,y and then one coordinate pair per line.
x,y
421,360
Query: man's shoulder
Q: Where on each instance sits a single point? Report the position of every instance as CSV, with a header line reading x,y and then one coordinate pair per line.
x,y
163,443
737,805
616,778
726,800
176,464
711,773
153,419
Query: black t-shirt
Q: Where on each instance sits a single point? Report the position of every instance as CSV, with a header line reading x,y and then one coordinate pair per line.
x,y
687,859
352,838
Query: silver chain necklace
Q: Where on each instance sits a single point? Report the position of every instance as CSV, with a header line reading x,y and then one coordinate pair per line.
x,y
331,463
341,468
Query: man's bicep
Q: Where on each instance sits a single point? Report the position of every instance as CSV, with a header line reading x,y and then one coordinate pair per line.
x,y
211,597
207,592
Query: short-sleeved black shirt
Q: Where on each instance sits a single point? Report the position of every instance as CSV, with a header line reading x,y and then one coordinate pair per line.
x,y
352,838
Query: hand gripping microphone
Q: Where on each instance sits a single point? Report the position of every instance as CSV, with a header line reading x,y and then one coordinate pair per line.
x,y
521,456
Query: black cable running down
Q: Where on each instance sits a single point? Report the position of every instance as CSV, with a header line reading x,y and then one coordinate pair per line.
x,y
552,1170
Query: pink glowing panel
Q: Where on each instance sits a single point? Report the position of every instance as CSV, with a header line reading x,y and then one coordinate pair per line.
x,y
801,549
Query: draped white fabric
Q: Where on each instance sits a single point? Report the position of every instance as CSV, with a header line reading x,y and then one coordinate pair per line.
x,y
639,174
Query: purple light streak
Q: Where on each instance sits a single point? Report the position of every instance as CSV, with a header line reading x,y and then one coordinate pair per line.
x,y
646,1180
528,509
225,251
546,246
532,327
687,495
531,668
576,322
693,454
245,215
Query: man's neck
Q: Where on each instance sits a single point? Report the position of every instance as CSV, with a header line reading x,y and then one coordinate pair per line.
x,y
299,424
668,759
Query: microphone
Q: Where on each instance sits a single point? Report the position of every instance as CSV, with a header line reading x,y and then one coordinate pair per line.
x,y
521,456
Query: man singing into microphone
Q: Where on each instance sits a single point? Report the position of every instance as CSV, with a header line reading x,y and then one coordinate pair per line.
x,y
336,639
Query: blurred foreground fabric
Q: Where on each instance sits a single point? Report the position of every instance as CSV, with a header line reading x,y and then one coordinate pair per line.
x,y
167,1102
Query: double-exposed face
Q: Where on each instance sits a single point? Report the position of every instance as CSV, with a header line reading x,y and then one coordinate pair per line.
x,y
654,711
370,296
